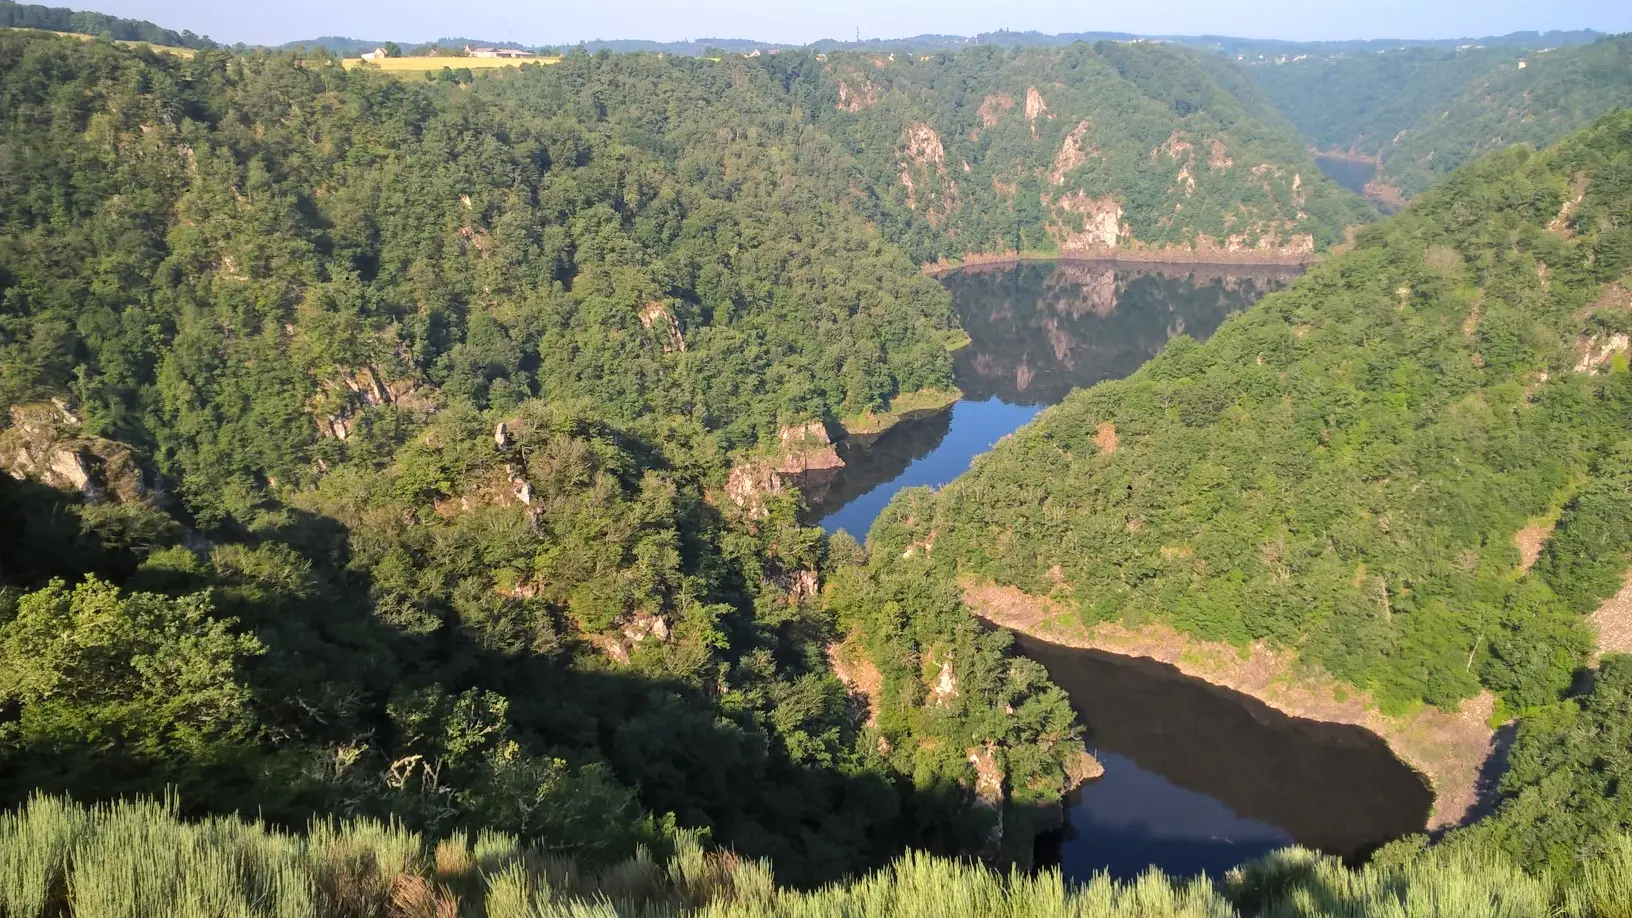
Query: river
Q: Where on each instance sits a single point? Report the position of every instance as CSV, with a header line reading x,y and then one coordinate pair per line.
x,y
1351,172
1037,330
1198,778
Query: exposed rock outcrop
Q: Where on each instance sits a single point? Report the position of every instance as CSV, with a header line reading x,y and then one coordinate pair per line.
x,y
930,187
1086,226
992,105
945,686
854,100
1034,104
44,444
1177,147
661,321
858,675
339,400
1105,437
1082,769
1612,622
806,457
1595,352
631,632
1073,152
1561,224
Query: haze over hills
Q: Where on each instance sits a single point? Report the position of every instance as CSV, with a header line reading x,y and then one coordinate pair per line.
x,y
1422,113
1252,49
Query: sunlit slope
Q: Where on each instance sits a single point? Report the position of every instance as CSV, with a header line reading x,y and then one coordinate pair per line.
x,y
1412,466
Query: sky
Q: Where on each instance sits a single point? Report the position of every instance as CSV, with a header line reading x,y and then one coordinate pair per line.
x,y
803,21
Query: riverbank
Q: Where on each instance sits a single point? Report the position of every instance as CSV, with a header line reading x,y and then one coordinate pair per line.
x,y
903,407
1218,258
1448,749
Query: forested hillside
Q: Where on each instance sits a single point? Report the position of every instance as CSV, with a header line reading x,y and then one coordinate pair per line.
x,y
1410,466
60,19
368,447
1556,92
396,477
1087,150
1424,113
1361,103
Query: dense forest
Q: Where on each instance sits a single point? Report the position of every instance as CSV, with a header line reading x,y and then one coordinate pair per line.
x,y
1087,149
1362,103
378,534
390,423
1344,467
58,19
1425,113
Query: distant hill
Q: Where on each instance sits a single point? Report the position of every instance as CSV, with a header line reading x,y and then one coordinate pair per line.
x,y
1249,50
335,44
1535,101
1360,103
1111,148
1423,112
702,47
351,47
101,25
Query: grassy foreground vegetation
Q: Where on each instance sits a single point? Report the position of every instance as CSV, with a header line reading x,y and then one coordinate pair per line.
x,y
139,858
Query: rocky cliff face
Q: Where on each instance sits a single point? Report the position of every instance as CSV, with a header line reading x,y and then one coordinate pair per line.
x,y
339,400
1122,169
805,458
931,189
44,443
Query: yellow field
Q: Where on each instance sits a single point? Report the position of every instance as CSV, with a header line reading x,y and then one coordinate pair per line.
x,y
167,49
423,64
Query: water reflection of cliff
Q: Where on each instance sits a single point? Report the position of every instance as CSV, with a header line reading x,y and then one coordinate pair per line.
x,y
869,464
1039,330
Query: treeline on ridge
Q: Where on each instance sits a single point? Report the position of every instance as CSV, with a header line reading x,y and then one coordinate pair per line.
x,y
100,25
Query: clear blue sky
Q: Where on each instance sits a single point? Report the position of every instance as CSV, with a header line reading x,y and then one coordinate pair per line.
x,y
800,21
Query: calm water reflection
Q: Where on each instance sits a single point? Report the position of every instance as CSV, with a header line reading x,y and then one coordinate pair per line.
x,y
1037,331
1351,173
1199,778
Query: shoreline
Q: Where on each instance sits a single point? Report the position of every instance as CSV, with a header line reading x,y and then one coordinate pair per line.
x,y
1348,156
1218,259
924,402
1449,750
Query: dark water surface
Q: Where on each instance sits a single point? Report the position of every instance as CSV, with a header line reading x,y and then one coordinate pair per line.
x,y
1037,330
1198,779
1352,174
